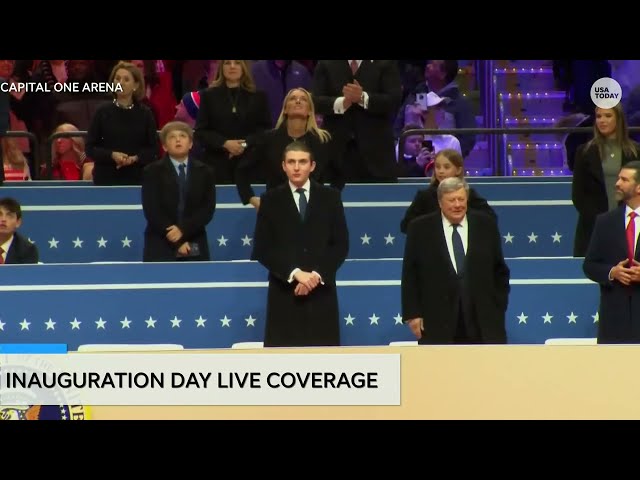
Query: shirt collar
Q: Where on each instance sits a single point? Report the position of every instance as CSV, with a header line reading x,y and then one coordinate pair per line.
x,y
306,186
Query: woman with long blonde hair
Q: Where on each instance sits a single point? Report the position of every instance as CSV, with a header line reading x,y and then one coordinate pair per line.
x,y
263,162
15,165
68,158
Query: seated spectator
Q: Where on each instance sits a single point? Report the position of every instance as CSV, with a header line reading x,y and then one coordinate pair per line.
x,y
439,78
187,109
416,157
16,167
448,164
14,248
68,158
431,113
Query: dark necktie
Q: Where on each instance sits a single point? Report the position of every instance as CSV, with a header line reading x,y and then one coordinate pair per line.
x,y
182,188
458,249
303,202
1,259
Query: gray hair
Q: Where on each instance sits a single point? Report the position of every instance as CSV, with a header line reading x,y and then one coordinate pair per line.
x,y
452,184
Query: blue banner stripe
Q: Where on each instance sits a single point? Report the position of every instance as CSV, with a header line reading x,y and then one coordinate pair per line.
x,y
32,348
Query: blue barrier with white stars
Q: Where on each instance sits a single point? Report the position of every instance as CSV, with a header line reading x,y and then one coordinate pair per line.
x,y
79,223
216,304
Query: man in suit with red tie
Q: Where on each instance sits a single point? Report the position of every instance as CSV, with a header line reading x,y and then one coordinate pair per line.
x,y
612,262
455,282
14,248
358,100
178,200
301,237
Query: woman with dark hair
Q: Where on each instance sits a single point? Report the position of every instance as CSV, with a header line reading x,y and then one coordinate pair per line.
x,y
122,138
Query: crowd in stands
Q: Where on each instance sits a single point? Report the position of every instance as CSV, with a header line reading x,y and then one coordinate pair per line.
x,y
232,115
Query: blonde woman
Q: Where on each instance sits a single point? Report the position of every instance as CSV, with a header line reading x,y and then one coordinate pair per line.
x,y
68,158
448,163
595,171
263,162
15,165
232,113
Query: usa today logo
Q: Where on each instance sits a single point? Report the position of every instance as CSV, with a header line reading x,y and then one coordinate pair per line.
x,y
606,92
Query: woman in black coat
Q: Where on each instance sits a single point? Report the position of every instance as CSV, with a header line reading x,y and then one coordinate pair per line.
x,y
595,171
263,161
231,116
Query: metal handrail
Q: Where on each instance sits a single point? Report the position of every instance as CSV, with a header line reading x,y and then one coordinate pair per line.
x,y
493,131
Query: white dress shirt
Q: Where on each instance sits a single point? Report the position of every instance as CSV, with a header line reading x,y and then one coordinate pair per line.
x,y
463,230
296,195
627,219
338,106
296,198
627,211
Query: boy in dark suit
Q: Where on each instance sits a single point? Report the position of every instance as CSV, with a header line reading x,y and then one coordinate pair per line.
x,y
178,199
301,237
14,248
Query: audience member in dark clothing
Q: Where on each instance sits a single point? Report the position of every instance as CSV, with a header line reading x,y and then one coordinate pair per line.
x,y
122,138
263,162
440,78
448,164
232,114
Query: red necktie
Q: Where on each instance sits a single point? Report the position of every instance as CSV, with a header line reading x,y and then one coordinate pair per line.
x,y
1,258
631,237
354,66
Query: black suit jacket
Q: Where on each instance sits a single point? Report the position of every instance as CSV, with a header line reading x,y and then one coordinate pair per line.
x,y
619,312
320,243
426,201
589,194
160,205
216,123
370,128
431,288
21,251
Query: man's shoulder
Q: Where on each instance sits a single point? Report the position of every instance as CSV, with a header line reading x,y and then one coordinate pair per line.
x,y
156,166
325,191
426,222
22,243
197,163
276,192
611,216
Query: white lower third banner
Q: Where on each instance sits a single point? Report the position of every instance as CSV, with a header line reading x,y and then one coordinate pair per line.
x,y
199,379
